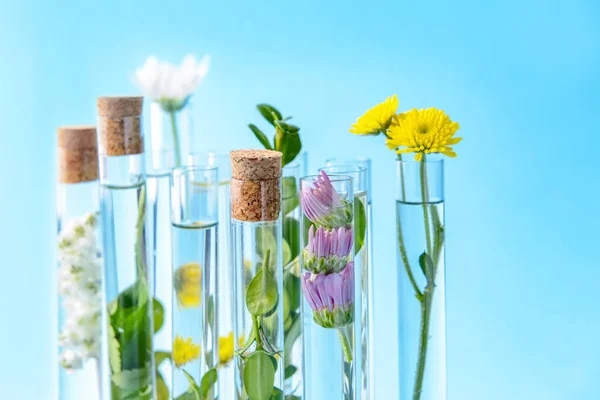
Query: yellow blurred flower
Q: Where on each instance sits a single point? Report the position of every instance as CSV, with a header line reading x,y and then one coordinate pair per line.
x,y
184,351
422,132
377,119
226,348
188,285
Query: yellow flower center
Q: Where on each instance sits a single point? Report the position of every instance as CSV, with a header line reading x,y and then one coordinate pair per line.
x,y
423,129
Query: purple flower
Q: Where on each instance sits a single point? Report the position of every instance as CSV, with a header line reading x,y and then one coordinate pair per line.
x,y
323,205
331,297
327,251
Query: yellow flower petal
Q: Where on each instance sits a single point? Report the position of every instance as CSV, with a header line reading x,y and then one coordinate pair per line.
x,y
187,281
226,348
423,131
377,119
184,351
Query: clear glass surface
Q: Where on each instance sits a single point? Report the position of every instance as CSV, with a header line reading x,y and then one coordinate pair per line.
x,y
195,323
79,252
333,361
259,305
225,313
421,280
362,259
128,279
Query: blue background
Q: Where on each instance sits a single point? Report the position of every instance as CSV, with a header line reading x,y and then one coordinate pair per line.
x,y
521,77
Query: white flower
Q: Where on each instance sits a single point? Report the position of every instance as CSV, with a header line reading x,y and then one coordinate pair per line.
x,y
79,285
169,84
70,360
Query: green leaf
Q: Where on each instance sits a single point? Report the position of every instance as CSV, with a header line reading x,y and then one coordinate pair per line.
x,y
259,376
135,379
187,396
289,186
269,112
291,234
261,294
162,391
289,371
426,264
208,381
290,198
288,128
159,315
210,316
291,284
270,320
262,138
290,336
286,252
160,357
306,223
195,389
360,225
277,394
265,242
114,350
289,144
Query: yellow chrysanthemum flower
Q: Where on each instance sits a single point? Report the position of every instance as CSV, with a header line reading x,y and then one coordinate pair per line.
x,y
423,132
377,119
226,348
188,285
184,351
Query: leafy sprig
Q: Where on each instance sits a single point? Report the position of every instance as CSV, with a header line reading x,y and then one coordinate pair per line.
x,y
286,139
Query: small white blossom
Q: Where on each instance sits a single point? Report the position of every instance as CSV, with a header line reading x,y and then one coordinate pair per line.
x,y
171,85
70,360
79,285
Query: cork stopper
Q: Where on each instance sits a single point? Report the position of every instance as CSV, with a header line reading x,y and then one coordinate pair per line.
x,y
255,185
119,125
77,154
119,107
255,165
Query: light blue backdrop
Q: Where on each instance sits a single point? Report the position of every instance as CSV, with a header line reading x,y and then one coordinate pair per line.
x,y
521,77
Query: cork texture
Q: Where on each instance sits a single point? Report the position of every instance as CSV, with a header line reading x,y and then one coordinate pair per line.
x,y
119,107
120,137
255,165
77,154
255,201
120,125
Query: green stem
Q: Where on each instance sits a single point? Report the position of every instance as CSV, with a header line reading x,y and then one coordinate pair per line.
x,y
427,300
438,237
425,200
346,343
140,259
175,139
423,339
402,177
256,328
405,261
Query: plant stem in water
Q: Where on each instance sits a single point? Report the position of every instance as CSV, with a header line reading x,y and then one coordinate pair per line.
x,y
346,343
405,261
426,304
402,177
425,201
175,139
427,299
